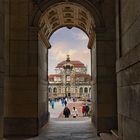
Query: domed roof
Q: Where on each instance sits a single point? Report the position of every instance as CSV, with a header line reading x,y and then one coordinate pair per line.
x,y
76,64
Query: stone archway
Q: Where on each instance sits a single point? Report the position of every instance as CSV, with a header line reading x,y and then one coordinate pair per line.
x,y
107,119
57,16
26,74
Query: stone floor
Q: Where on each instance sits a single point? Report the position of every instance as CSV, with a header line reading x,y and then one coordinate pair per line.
x,y
68,130
60,128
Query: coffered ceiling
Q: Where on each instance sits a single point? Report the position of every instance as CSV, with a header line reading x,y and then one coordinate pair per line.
x,y
66,15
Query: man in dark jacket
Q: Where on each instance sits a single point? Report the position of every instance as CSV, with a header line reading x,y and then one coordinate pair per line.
x,y
66,112
65,102
86,110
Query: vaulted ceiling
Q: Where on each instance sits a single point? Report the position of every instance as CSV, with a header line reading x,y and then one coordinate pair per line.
x,y
66,15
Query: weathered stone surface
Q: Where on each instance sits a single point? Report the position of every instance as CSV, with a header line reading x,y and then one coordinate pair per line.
x,y
128,67
1,67
27,129
42,83
124,97
129,17
1,127
125,131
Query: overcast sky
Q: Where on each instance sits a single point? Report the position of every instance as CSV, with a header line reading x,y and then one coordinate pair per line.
x,y
68,41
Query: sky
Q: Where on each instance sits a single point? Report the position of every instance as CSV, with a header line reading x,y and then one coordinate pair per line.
x,y
71,42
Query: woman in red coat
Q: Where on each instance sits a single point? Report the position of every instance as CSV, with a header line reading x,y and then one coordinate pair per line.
x,y
83,110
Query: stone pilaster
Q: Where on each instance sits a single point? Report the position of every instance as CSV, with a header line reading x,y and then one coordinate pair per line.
x,y
106,97
1,66
43,113
103,65
21,81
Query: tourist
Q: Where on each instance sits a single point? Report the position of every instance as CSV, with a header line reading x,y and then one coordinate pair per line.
x,y
74,112
83,109
66,112
65,102
62,101
86,110
52,104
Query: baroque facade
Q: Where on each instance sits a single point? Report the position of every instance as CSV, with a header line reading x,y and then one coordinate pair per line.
x,y
71,80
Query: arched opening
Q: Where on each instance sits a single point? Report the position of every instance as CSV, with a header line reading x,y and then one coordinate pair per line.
x,y
75,15
45,18
70,75
53,18
50,90
81,90
86,90
54,90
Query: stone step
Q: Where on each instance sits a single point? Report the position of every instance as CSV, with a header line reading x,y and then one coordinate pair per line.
x,y
115,133
107,136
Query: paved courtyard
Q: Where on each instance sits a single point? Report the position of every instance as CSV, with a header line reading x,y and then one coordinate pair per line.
x,y
57,112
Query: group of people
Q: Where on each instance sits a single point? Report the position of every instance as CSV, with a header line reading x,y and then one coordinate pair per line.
x,y
74,112
85,110
67,112
64,101
53,101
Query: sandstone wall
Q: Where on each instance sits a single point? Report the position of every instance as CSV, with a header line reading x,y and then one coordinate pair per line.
x,y
105,96
128,69
21,72
42,83
1,66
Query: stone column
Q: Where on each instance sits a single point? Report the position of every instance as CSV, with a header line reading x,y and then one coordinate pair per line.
x,y
21,82
94,83
1,66
43,114
104,76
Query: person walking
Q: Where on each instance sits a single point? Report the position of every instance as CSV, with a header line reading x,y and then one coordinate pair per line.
x,y
86,110
62,101
52,104
83,109
74,112
65,102
66,112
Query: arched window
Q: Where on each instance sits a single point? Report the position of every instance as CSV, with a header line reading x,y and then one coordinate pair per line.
x,y
86,90
55,90
50,89
89,89
81,90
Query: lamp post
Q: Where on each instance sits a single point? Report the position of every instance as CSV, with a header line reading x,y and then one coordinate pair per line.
x,y
68,67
